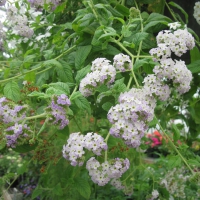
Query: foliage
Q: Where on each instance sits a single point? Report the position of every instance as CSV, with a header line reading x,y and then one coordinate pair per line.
x,y
70,69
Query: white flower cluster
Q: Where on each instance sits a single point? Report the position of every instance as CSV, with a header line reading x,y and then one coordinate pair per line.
x,y
40,3
178,42
174,182
197,12
101,174
102,73
19,22
168,41
131,115
122,62
74,149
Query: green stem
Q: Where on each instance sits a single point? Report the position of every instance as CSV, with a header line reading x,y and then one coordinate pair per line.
x,y
73,92
36,116
78,125
174,147
171,12
106,152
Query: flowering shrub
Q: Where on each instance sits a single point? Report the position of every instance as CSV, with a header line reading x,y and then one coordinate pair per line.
x,y
83,82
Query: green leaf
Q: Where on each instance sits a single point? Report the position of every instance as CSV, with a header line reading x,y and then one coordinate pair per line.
x,y
157,17
181,9
12,91
138,37
82,73
193,162
38,94
139,63
194,67
153,23
30,76
64,72
24,168
75,95
81,55
36,193
82,103
57,190
83,187
194,54
97,34
63,87
106,106
108,35
176,132
24,148
60,8
52,62
153,123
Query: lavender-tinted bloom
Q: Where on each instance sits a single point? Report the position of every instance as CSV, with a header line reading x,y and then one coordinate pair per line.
x,y
101,74
101,174
63,100
130,117
74,149
57,110
17,132
2,2
122,62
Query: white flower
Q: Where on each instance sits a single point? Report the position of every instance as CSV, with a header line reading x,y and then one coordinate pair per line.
x,y
174,25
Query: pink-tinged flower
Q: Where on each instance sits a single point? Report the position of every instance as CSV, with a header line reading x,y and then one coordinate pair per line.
x,y
156,142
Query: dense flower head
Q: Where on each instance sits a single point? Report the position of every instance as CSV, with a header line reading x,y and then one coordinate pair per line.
x,y
17,134
102,173
196,13
178,42
122,62
74,149
154,86
19,22
10,112
99,63
57,110
40,3
102,73
130,117
2,2
176,71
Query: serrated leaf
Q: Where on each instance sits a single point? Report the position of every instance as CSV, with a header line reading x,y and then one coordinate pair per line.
x,y
139,63
38,94
63,87
81,55
52,62
12,91
82,103
64,72
42,78
57,190
138,37
75,95
83,187
97,34
106,106
30,76
36,193
82,73
194,67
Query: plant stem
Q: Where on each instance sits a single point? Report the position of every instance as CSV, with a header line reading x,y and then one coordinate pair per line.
x,y
171,12
174,147
106,152
37,68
